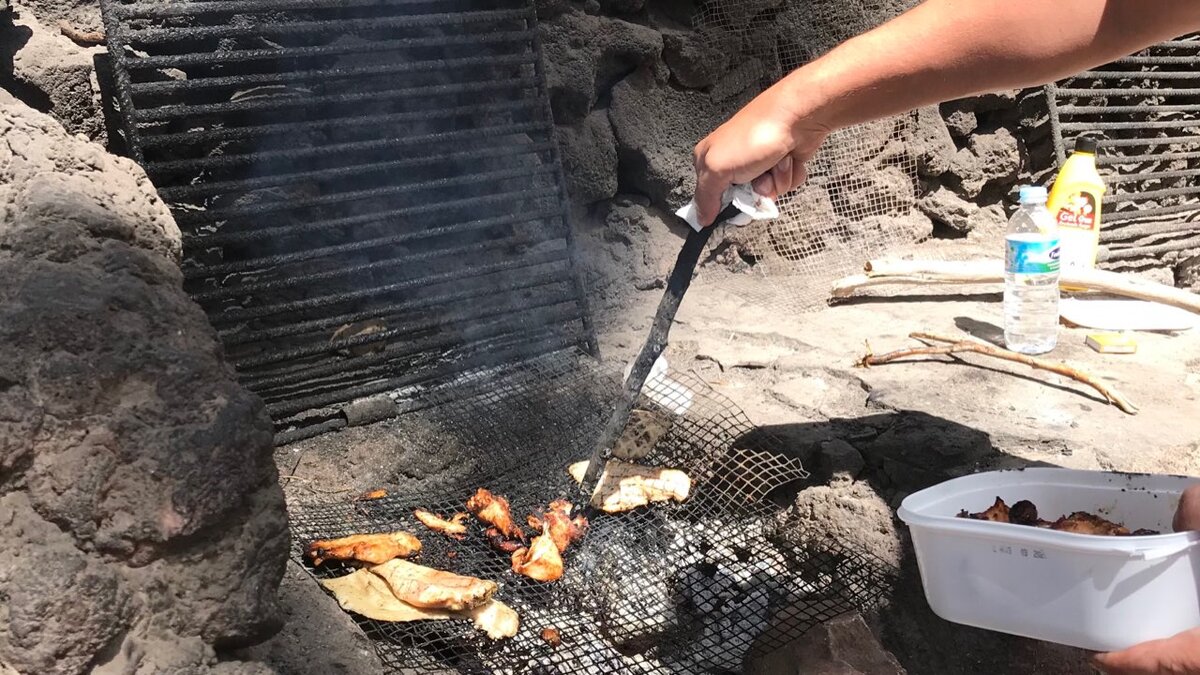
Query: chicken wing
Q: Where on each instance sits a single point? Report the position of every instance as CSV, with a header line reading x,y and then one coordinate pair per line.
x,y
563,529
1082,522
453,528
997,513
624,486
498,541
428,588
494,510
541,561
366,548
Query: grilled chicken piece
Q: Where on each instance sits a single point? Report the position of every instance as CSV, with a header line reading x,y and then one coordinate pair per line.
x,y
1082,522
501,543
624,486
997,513
541,561
366,548
563,529
427,588
494,511
453,528
366,593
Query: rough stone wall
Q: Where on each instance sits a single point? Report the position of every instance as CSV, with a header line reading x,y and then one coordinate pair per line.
x,y
634,85
49,72
139,504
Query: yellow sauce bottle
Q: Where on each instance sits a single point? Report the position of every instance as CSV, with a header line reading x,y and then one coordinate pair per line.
x,y
1075,203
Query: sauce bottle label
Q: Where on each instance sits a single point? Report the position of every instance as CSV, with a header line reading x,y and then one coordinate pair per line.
x,y
1079,212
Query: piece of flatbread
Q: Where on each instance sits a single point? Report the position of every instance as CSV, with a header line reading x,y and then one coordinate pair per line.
x,y
367,594
624,486
428,588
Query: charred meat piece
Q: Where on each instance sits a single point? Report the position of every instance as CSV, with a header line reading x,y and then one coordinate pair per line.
x,y
562,527
453,528
372,549
552,636
494,511
541,561
498,541
1082,522
997,513
1023,513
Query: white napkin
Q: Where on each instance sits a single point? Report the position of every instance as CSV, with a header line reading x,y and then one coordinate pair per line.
x,y
663,390
752,205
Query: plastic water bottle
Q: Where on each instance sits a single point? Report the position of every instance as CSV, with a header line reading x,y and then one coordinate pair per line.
x,y
1031,268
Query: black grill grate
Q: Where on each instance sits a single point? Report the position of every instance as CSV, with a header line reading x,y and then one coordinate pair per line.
x,y
1145,111
386,165
700,587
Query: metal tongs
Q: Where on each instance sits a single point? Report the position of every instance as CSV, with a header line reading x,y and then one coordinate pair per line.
x,y
656,341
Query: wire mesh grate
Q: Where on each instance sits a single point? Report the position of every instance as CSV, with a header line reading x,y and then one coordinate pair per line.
x,y
697,587
1145,112
369,191
860,197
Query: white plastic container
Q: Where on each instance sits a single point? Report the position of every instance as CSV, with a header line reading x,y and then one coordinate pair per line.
x,y
1094,592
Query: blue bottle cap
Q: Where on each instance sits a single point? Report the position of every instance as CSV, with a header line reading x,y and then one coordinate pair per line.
x,y
1033,194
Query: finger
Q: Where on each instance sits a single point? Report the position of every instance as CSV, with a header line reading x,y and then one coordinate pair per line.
x,y
799,174
1187,514
1133,661
765,185
782,175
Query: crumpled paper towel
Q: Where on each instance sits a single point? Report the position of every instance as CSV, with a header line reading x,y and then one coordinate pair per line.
x,y
752,205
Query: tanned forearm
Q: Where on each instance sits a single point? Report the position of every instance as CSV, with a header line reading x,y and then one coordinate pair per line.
x,y
947,49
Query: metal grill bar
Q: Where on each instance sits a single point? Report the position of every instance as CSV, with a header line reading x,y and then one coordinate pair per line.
x,y
384,160
222,239
235,315
157,36
157,10
1132,107
318,102
472,323
542,344
244,55
204,297
343,149
214,215
264,79
209,189
314,253
498,290
236,133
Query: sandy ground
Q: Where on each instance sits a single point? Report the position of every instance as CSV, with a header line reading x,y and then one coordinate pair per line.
x,y
907,425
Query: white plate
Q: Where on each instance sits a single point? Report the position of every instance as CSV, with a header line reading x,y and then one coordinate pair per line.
x,y
1108,314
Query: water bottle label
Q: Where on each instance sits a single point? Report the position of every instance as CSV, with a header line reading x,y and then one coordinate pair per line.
x,y
1032,256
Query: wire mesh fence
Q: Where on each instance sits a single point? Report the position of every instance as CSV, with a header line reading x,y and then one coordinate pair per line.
x,y
700,586
860,197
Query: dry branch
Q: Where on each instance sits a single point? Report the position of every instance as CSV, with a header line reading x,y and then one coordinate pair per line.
x,y
86,38
959,346
929,272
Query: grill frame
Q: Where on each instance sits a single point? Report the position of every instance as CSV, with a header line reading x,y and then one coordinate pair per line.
x,y
467,262
1133,168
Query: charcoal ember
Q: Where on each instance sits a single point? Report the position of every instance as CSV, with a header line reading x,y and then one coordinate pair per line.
x,y
635,620
727,636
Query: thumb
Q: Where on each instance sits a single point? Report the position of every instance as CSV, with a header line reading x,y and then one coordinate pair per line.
x,y
710,186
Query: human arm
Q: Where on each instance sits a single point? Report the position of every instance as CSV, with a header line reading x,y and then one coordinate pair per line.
x,y
938,51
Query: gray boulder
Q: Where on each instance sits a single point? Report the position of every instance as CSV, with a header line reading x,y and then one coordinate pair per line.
x,y
140,485
589,156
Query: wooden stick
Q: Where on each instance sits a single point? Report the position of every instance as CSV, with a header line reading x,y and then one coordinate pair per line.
x,y
930,272
959,346
82,37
